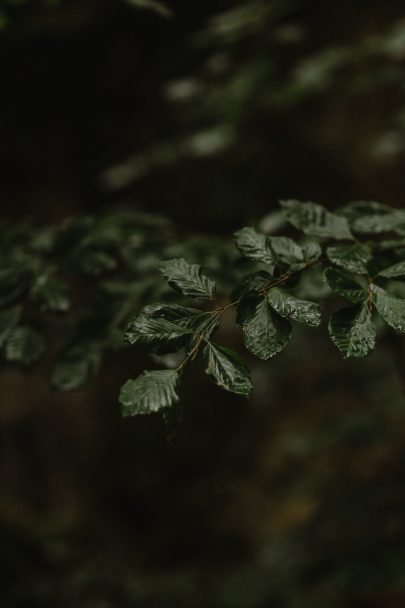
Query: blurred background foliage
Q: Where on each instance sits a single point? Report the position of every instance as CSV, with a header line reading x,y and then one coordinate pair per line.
x,y
119,112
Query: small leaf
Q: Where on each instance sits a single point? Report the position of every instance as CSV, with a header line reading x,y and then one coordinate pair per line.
x,y
150,329
8,320
188,279
228,370
150,392
298,310
394,271
352,331
24,345
390,308
265,332
315,220
345,285
254,245
153,5
353,258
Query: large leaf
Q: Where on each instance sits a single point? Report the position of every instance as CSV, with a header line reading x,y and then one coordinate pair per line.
x,y
353,258
228,370
345,285
254,245
8,320
151,329
315,220
294,308
265,332
390,308
188,279
352,331
24,345
150,392
394,271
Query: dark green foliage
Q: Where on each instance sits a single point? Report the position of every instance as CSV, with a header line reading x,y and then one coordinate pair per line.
x,y
96,273
267,301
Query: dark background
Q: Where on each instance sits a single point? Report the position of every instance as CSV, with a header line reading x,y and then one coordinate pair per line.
x,y
296,498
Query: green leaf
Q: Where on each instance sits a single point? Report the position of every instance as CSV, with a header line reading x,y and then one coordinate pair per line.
x,y
77,367
151,329
254,245
352,331
390,308
298,310
265,332
150,392
8,320
315,220
50,294
286,250
227,369
342,283
24,345
251,282
312,251
353,258
394,271
357,209
380,223
188,279
96,263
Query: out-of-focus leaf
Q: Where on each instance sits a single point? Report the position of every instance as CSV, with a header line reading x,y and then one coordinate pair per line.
x,y
77,367
8,320
394,271
152,5
314,220
50,294
96,263
24,346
